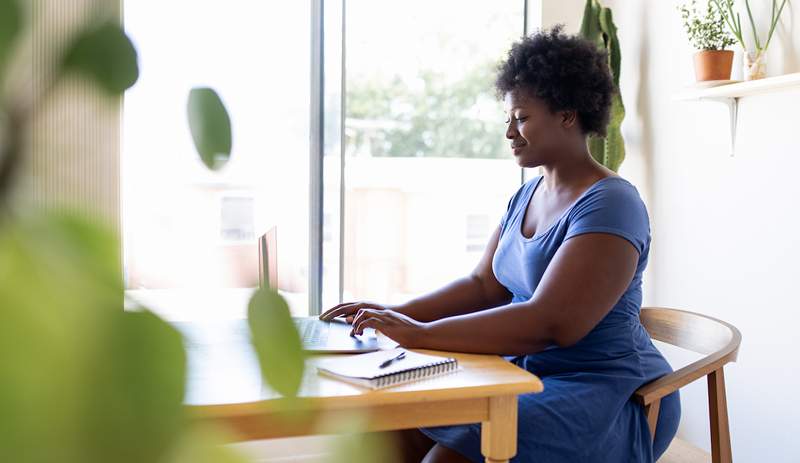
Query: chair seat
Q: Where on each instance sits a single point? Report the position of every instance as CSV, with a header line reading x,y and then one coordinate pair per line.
x,y
680,451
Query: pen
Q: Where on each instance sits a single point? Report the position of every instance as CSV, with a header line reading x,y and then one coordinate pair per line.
x,y
399,356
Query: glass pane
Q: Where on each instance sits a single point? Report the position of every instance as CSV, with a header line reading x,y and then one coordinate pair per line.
x,y
428,170
190,234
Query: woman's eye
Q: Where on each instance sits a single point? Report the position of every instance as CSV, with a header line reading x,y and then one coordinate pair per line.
x,y
517,119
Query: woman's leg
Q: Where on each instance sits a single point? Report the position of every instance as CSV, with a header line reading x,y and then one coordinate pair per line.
x,y
442,454
410,444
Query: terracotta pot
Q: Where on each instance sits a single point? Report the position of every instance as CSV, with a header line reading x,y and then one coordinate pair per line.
x,y
713,65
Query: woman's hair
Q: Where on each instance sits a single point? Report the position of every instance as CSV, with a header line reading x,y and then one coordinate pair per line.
x,y
567,72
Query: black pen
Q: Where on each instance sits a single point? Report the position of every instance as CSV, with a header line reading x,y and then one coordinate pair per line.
x,y
399,356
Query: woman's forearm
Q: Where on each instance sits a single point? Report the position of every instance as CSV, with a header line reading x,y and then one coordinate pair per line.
x,y
462,296
512,329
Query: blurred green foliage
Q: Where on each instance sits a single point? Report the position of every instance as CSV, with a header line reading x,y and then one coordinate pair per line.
x,y
210,126
81,379
10,27
276,341
105,54
435,117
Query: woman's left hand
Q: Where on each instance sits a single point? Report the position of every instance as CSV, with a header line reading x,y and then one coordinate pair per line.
x,y
401,328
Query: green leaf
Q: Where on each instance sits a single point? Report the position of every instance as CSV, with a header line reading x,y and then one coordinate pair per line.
x,y
597,148
82,380
610,31
10,27
105,54
614,143
134,390
276,341
590,25
210,126
203,445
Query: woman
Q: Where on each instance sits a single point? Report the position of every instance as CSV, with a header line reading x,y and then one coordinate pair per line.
x,y
560,284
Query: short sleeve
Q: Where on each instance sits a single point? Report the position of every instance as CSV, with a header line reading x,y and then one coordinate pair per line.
x,y
614,208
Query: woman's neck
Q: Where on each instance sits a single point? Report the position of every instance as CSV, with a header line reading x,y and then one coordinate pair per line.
x,y
573,172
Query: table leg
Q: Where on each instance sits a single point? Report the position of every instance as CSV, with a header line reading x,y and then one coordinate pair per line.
x,y
499,434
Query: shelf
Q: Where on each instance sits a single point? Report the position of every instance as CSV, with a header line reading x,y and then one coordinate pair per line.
x,y
740,89
729,94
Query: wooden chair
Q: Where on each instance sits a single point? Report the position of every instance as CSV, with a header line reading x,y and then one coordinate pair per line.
x,y
719,342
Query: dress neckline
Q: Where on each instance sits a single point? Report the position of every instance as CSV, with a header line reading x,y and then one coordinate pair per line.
x,y
550,227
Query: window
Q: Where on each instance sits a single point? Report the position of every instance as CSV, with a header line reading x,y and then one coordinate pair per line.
x,y
414,168
236,219
425,150
189,234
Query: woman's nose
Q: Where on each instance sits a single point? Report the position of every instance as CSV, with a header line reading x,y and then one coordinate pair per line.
x,y
511,130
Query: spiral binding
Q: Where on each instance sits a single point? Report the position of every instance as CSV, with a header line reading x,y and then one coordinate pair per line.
x,y
447,365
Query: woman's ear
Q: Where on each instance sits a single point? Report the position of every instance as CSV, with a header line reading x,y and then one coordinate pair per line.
x,y
569,118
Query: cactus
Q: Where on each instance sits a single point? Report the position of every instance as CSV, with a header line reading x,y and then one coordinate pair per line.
x,y
598,26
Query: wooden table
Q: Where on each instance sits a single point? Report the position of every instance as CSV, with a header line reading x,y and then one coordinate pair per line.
x,y
225,387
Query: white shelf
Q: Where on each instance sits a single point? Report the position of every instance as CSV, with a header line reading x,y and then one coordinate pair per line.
x,y
740,89
729,94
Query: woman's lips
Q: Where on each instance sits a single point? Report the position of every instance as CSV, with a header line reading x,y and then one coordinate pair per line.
x,y
517,149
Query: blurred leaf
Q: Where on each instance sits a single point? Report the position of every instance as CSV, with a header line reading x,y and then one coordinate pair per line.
x,y
364,448
353,444
202,445
92,248
10,26
276,341
135,386
210,126
105,54
80,380
54,304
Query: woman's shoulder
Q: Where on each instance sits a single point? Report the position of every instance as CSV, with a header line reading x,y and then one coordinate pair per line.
x,y
613,189
612,205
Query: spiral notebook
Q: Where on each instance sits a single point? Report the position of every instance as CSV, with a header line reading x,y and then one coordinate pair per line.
x,y
365,369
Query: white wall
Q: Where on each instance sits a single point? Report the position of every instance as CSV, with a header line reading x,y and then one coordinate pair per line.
x,y
726,238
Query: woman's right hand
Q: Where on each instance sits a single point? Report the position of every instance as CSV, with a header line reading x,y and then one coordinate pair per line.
x,y
350,309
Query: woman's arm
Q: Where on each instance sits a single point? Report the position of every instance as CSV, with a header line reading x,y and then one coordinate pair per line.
x,y
480,290
586,277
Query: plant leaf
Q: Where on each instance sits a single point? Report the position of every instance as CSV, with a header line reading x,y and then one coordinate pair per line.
x,y
106,55
82,380
276,341
210,126
10,27
614,143
135,387
590,24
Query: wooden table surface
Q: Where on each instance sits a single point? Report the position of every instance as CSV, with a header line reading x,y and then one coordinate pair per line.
x,y
225,387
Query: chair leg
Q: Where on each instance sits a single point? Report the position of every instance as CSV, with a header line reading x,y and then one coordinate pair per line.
x,y
718,414
651,412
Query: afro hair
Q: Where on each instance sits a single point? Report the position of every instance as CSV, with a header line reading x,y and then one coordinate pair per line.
x,y
567,72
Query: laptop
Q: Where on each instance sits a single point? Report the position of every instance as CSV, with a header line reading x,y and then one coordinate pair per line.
x,y
318,336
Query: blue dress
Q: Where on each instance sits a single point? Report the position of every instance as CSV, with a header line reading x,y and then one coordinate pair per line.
x,y
585,413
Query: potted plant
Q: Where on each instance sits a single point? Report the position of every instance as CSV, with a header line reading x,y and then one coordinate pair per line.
x,y
708,35
754,63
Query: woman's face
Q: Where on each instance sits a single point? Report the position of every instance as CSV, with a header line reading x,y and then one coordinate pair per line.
x,y
536,134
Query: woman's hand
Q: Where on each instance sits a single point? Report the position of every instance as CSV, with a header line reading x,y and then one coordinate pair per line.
x,y
350,309
399,327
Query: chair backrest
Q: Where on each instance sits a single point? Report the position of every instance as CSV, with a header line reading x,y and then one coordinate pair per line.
x,y
693,331
719,342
